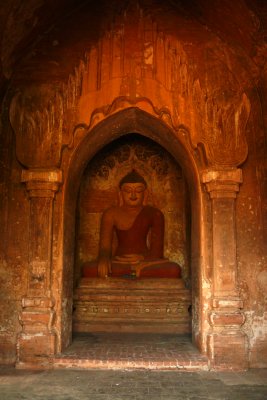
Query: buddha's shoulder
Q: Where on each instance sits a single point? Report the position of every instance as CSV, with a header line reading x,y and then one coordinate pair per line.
x,y
114,212
153,211
111,210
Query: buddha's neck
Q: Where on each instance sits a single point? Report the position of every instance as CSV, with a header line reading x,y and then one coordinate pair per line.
x,y
133,209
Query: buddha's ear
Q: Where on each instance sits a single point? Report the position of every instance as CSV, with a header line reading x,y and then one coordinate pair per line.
x,y
146,195
120,198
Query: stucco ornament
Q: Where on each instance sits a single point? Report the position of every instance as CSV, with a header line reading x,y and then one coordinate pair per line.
x,y
36,115
202,96
156,74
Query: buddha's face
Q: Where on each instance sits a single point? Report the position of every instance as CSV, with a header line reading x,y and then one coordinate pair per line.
x,y
133,194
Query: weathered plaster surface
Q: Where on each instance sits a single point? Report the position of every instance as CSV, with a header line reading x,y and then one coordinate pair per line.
x,y
198,71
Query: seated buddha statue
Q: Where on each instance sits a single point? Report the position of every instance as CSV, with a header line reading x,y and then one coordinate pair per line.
x,y
140,236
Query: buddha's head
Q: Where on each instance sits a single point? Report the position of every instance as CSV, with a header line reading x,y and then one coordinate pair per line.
x,y
133,189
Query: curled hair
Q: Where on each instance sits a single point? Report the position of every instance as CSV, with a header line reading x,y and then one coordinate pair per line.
x,y
132,177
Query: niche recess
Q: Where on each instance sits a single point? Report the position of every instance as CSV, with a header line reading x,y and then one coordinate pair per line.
x,y
167,188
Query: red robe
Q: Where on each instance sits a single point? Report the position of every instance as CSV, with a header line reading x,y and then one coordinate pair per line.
x,y
150,221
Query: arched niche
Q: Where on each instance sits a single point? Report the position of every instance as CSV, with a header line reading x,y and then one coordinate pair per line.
x,y
167,190
113,127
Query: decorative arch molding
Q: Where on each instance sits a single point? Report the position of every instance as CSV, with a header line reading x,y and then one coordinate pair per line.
x,y
143,104
89,139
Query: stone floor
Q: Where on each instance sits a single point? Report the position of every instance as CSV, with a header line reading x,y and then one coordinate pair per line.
x,y
134,367
131,385
134,351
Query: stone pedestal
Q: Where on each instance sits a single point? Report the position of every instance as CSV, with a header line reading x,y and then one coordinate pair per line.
x,y
227,344
37,340
132,305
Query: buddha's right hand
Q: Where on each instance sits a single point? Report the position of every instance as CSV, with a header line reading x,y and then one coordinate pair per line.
x,y
103,268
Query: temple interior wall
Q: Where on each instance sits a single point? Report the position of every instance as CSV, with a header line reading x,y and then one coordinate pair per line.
x,y
64,96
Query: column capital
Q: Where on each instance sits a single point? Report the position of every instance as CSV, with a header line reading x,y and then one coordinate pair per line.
x,y
42,182
222,183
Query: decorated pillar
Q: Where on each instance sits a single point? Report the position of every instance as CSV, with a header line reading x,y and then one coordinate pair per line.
x,y
37,340
226,341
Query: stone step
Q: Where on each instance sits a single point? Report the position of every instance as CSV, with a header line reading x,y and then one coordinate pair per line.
x,y
114,326
136,296
133,283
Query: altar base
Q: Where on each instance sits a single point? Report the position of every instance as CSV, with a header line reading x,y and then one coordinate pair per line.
x,y
132,305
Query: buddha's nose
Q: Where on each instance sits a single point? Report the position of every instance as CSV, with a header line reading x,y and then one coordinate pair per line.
x,y
133,196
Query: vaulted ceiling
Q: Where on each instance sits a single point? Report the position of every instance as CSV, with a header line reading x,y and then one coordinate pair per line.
x,y
53,34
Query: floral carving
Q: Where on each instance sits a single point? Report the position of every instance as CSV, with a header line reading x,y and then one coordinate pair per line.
x,y
136,153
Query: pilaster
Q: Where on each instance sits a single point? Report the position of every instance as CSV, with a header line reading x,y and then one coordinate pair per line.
x,y
227,344
37,340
